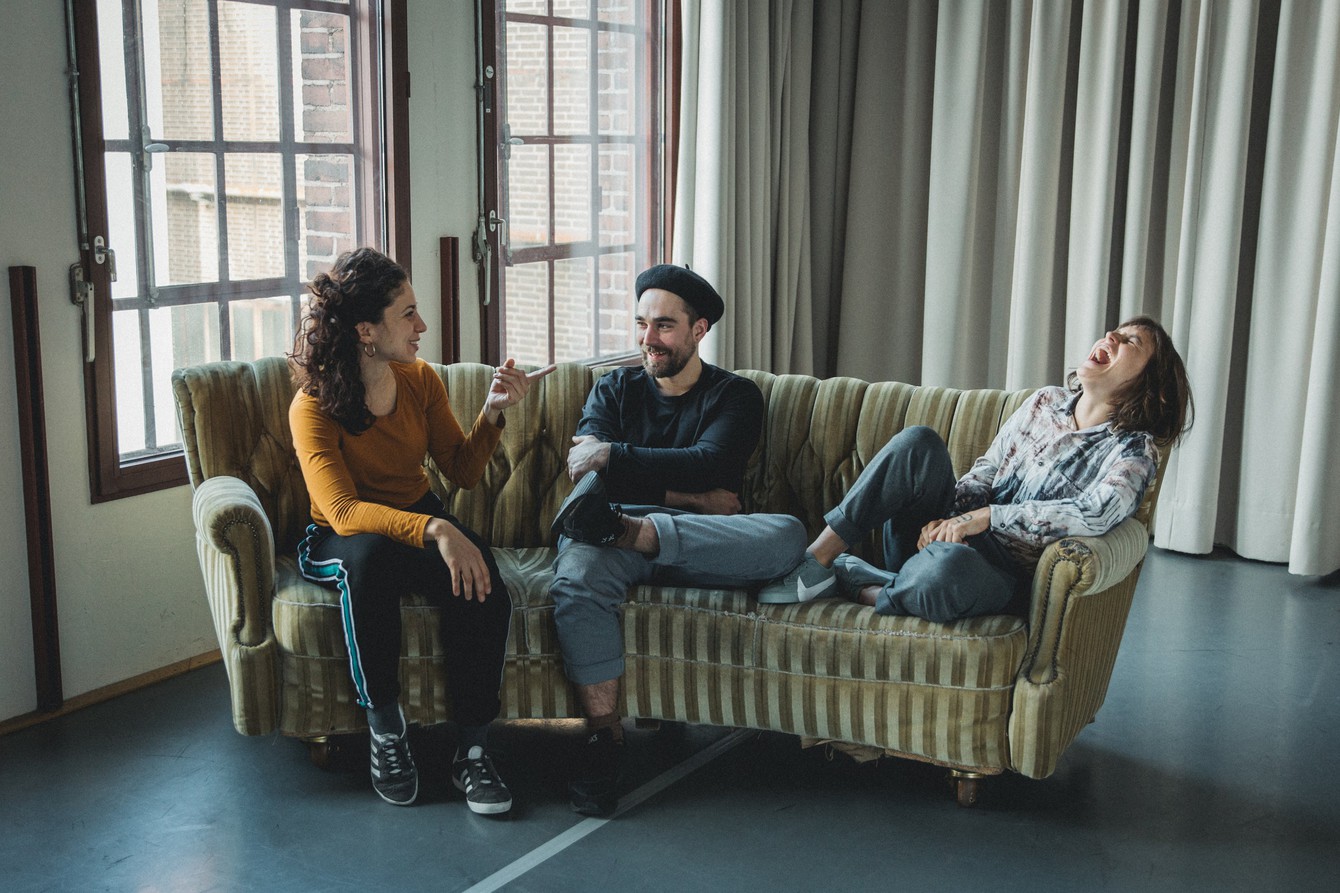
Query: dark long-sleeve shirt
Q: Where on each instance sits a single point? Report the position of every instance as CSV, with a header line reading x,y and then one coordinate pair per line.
x,y
692,443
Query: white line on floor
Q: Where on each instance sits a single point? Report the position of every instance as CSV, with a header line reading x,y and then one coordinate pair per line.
x,y
560,843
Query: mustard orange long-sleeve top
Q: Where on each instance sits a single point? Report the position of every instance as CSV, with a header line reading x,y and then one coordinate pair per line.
x,y
362,483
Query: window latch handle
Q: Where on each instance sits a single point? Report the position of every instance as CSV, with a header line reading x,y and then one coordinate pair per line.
x,y
499,225
104,255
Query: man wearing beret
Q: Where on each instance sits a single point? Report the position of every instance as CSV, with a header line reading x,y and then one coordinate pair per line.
x,y
668,441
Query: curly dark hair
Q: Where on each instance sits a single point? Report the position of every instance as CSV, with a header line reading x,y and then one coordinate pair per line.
x,y
1159,399
358,289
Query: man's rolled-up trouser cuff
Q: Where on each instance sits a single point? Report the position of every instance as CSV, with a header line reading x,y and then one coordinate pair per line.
x,y
667,536
847,531
594,674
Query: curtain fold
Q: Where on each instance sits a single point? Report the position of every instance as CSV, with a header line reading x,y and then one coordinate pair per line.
x,y
970,193
878,312
1203,301
1292,300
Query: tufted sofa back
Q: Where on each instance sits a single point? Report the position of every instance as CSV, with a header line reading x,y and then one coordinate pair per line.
x,y
818,436
233,418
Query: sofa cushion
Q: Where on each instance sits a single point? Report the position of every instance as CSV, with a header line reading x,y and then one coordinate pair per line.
x,y
844,640
307,621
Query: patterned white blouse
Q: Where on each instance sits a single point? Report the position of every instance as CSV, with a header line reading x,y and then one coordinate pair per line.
x,y
1045,480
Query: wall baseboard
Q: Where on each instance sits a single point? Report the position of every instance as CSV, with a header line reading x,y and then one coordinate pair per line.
x,y
107,692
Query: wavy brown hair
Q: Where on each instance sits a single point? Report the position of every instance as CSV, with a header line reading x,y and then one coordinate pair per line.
x,y
1159,400
358,289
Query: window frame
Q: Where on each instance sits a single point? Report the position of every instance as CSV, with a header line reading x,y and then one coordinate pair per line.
x,y
663,163
112,476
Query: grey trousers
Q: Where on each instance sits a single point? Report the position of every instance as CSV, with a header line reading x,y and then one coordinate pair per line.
x,y
908,484
591,582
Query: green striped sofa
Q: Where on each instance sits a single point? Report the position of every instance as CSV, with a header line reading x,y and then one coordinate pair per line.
x,y
980,696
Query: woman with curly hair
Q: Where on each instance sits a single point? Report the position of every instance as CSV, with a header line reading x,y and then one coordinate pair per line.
x,y
366,413
1072,461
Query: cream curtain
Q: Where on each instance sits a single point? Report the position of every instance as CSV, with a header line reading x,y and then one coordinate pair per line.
x,y
968,193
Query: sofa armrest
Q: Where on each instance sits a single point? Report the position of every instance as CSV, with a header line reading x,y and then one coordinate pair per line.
x,y
231,527
1070,568
235,545
1082,593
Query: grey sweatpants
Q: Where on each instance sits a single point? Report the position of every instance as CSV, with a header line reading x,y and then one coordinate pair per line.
x,y
591,582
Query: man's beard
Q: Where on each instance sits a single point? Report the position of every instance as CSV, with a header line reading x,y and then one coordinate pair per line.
x,y
666,366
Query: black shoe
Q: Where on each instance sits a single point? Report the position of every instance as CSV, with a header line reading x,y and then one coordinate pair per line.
x,y
586,515
485,792
394,777
594,791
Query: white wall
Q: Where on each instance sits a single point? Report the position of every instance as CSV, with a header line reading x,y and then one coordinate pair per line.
x,y
128,587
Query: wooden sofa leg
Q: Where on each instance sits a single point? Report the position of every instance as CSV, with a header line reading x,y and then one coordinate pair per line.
x,y
966,785
332,752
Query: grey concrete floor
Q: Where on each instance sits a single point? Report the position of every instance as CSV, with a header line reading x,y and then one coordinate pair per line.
x,y
1210,767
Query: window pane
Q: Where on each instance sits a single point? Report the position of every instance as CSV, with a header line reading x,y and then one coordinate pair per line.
x,y
527,79
528,196
325,211
255,215
129,381
572,81
121,224
262,327
112,67
618,273
178,83
574,330
621,11
181,336
243,202
321,77
575,9
618,196
618,76
185,218
527,313
249,71
529,7
572,194
594,190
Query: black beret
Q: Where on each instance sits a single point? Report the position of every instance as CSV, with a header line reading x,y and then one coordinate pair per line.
x,y
696,291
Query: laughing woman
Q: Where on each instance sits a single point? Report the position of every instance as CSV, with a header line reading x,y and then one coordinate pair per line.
x,y
365,415
1072,461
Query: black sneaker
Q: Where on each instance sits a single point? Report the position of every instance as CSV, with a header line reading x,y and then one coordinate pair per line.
x,y
594,791
586,515
394,777
485,792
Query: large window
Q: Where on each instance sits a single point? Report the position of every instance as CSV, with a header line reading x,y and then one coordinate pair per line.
x,y
577,173
230,151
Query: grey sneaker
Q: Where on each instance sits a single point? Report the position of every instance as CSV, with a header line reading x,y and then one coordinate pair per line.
x,y
586,515
394,777
854,574
806,581
485,792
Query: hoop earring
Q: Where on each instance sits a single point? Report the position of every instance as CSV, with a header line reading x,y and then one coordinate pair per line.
x,y
370,349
